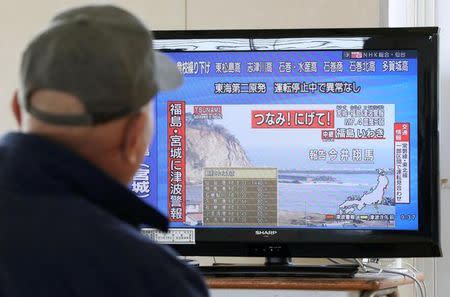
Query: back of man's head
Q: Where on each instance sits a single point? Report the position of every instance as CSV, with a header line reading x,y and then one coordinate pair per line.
x,y
86,81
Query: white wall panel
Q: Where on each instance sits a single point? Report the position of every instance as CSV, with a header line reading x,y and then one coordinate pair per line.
x,y
241,14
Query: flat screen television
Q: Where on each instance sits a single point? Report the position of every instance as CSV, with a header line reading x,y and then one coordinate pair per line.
x,y
297,143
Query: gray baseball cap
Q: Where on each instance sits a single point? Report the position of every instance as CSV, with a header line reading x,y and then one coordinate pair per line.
x,y
101,54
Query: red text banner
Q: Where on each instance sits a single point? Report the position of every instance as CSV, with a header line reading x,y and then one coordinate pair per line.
x,y
176,161
295,119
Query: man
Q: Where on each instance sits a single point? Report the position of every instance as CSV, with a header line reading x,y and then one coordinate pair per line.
x,y
68,223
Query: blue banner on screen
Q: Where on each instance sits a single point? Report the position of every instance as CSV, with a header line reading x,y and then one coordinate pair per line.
x,y
287,139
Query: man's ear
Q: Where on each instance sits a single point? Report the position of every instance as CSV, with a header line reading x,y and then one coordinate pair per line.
x,y
15,105
134,141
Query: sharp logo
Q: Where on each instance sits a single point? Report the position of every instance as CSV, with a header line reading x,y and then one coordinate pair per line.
x,y
265,232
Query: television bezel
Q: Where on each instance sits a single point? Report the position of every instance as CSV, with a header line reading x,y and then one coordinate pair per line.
x,y
288,242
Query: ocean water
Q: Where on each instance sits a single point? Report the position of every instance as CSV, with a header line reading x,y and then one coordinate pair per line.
x,y
323,198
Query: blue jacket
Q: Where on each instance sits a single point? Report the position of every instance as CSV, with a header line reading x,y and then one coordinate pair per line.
x,y
68,229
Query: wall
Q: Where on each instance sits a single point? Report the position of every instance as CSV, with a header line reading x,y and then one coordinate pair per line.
x,y
434,13
20,19
442,265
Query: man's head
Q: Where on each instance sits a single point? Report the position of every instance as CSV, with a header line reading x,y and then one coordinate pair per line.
x,y
87,81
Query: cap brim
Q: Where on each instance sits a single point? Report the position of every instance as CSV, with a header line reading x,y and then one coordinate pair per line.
x,y
167,75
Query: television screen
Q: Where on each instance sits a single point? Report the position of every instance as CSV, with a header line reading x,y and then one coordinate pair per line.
x,y
282,136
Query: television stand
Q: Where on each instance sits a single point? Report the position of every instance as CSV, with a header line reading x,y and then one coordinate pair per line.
x,y
280,266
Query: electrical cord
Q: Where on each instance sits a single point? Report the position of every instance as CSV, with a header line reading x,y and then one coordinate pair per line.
x,y
414,269
367,268
413,277
333,261
347,260
424,284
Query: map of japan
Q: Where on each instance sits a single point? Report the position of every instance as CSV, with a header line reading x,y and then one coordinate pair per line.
x,y
373,197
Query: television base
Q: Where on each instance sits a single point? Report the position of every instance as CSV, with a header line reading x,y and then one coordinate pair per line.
x,y
280,267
